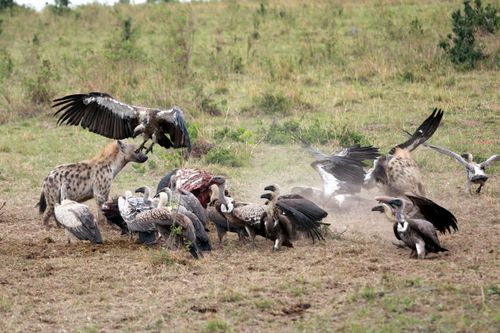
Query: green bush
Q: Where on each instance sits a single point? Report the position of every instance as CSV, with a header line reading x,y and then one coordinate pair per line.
x,y
237,135
273,104
461,45
228,156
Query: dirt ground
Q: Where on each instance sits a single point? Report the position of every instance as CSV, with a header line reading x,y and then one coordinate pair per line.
x,y
356,280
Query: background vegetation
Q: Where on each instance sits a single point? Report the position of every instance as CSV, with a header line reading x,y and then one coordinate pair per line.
x,y
255,78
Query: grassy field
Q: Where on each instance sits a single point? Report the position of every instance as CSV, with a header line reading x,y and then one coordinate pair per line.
x,y
251,77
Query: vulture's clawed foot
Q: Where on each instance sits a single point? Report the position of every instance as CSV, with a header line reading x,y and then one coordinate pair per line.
x,y
150,149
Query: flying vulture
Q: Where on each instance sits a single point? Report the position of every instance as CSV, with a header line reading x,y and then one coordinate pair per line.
x,y
102,114
476,172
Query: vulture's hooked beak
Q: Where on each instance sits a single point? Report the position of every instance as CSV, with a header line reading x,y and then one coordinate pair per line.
x,y
267,196
378,208
271,188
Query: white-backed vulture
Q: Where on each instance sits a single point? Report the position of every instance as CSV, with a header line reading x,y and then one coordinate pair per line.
x,y
102,114
476,172
418,234
77,220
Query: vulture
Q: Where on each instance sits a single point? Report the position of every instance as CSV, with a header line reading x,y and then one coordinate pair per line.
x,y
112,214
242,215
418,207
222,226
166,221
418,234
77,220
129,206
476,172
397,172
284,217
300,207
341,172
185,207
196,181
102,114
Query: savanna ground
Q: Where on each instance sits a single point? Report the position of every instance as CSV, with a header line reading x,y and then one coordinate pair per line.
x,y
252,77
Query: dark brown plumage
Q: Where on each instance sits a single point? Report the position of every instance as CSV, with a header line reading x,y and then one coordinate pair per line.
x,y
102,114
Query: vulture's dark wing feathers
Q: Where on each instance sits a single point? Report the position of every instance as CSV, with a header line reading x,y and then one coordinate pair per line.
x,y
301,221
112,213
99,113
172,123
423,132
442,219
306,207
395,230
346,165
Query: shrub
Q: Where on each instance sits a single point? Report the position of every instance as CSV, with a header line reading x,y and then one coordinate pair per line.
x,y
273,104
4,4
228,156
461,45
238,134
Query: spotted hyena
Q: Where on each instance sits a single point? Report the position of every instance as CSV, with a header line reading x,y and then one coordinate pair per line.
x,y
87,179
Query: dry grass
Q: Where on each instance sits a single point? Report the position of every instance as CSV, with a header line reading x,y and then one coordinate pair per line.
x,y
354,281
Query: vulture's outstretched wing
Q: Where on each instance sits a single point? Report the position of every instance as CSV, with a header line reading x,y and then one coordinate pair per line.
x,y
423,132
442,219
490,160
306,207
449,153
342,172
99,113
172,123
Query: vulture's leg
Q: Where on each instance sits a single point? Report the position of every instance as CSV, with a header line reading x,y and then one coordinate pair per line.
x,y
251,233
468,187
479,188
150,149
141,147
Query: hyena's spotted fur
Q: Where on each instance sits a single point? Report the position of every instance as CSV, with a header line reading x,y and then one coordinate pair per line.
x,y
87,179
403,175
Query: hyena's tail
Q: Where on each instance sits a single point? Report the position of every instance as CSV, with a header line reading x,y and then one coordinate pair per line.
x,y
42,204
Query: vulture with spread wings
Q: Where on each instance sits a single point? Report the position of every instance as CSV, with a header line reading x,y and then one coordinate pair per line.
x,y
476,172
102,114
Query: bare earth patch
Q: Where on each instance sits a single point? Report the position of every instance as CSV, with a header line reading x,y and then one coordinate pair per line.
x,y
356,280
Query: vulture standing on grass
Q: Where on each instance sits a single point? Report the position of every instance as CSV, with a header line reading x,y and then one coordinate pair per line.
x,y
342,172
476,172
166,220
196,181
302,205
183,206
417,207
418,234
242,215
130,206
284,217
397,171
102,114
77,220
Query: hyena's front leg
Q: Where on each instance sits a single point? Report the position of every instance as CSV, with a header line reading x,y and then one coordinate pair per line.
x,y
101,196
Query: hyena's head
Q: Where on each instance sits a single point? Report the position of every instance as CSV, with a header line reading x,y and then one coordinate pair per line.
x,y
131,153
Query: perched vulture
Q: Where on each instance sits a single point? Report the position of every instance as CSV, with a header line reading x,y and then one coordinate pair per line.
x,y
284,217
476,172
418,234
102,114
77,220
397,171
417,207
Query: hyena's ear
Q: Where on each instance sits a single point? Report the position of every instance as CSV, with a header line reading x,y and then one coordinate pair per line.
x,y
121,145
